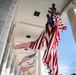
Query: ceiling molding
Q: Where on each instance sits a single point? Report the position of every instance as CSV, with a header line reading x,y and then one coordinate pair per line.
x,y
65,7
30,24
74,2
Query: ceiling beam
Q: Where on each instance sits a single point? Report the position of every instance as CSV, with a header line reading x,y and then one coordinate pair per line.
x,y
65,7
30,24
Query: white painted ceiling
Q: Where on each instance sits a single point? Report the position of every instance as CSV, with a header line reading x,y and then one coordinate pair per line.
x,y
28,24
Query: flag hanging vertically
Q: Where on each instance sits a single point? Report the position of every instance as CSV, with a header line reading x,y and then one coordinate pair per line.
x,y
50,58
51,37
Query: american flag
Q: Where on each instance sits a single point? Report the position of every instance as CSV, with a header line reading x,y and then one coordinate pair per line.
x,y
23,45
26,68
26,58
50,57
37,44
51,36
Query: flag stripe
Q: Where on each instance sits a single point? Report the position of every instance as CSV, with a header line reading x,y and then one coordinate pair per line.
x,y
39,42
24,69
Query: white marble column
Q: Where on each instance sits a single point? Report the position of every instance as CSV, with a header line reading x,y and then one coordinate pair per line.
x,y
39,63
72,18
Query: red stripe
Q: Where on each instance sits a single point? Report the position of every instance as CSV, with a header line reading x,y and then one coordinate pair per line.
x,y
41,41
38,43
49,11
